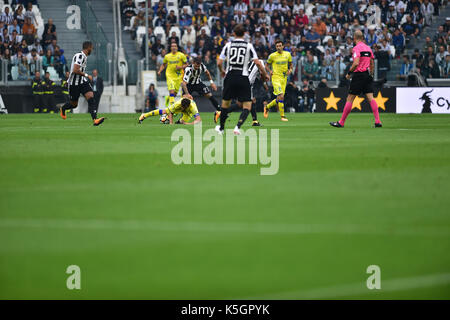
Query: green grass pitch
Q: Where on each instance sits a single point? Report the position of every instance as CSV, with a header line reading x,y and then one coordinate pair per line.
x,y
109,200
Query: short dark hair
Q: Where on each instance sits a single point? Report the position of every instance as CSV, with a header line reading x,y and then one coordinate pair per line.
x,y
197,60
87,44
239,30
185,102
278,41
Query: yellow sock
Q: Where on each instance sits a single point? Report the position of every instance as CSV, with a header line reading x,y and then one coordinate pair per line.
x,y
272,103
151,113
281,108
171,100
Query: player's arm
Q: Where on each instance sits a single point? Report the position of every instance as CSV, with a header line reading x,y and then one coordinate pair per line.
x,y
186,77
289,68
267,67
185,90
262,70
184,65
222,58
77,70
163,66
211,81
353,67
220,65
197,119
170,116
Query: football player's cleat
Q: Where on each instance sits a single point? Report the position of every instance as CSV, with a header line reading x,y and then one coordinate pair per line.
x,y
217,128
378,125
256,124
336,124
236,131
266,112
216,116
284,119
99,121
141,118
62,113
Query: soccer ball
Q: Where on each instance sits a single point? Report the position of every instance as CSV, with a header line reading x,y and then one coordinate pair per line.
x,y
164,119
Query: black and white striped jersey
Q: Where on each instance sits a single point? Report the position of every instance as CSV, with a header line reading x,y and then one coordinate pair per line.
x,y
238,54
75,79
192,75
254,71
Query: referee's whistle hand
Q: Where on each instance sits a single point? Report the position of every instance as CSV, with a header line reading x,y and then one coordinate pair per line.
x,y
347,77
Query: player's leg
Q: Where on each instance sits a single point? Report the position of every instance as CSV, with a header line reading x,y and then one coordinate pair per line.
x,y
280,100
374,106
91,108
156,112
244,94
368,91
277,90
272,103
281,97
246,106
228,94
173,93
207,93
72,103
171,89
345,113
223,115
255,122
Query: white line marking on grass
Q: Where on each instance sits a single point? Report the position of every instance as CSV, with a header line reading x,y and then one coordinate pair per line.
x,y
238,227
358,289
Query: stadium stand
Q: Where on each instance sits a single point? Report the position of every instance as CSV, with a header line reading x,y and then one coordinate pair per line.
x,y
317,33
28,44
321,29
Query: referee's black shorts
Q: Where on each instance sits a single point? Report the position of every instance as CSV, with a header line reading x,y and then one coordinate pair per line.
x,y
236,86
200,88
76,90
361,83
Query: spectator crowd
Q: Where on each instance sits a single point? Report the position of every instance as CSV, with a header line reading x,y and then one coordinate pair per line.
x,y
20,45
317,33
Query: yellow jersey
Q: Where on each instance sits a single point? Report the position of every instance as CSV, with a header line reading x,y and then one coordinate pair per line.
x,y
280,63
172,61
191,111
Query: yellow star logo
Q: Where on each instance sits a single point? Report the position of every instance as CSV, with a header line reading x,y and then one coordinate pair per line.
x,y
381,100
357,103
331,101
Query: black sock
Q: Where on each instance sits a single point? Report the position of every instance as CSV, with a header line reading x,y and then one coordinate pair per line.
x,y
66,106
253,111
223,118
243,117
91,108
214,102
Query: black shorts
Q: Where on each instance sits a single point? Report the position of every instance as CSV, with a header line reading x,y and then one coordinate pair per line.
x,y
361,83
200,88
236,86
76,90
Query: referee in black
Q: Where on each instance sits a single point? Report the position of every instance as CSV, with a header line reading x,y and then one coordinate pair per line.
x,y
238,53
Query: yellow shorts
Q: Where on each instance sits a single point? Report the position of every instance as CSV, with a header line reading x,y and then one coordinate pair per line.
x,y
174,84
279,85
